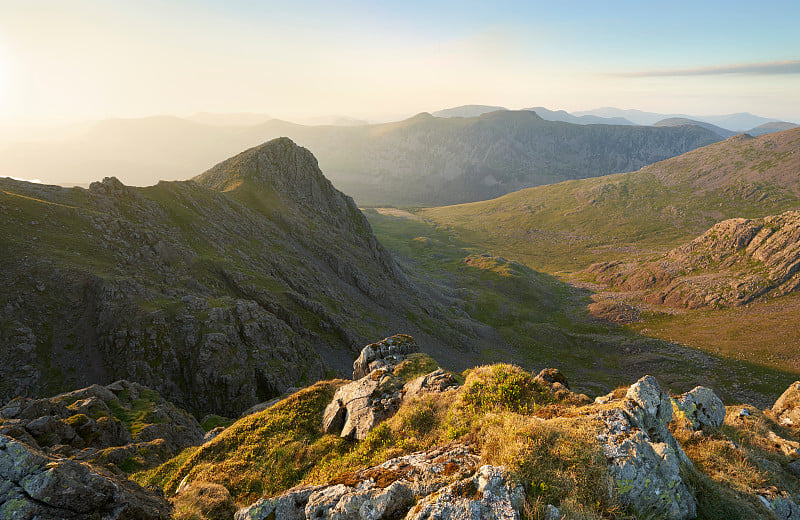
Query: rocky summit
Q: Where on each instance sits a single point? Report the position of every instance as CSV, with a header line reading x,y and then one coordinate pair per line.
x,y
495,442
219,293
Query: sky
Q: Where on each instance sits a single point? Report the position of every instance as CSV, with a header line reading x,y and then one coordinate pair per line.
x,y
378,60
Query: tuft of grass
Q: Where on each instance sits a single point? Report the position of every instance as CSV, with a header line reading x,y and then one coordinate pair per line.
x,y
415,365
260,454
203,501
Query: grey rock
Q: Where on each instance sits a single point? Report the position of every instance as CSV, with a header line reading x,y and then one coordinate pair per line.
x,y
33,485
382,492
486,496
359,406
644,459
702,407
552,513
387,353
289,506
212,434
436,381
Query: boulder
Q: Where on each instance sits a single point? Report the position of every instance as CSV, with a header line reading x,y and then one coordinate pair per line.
x,y
787,407
387,353
436,381
644,459
359,406
702,408
552,375
33,485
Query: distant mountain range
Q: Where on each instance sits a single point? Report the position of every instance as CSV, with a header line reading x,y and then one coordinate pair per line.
x,y
730,123
740,122
424,160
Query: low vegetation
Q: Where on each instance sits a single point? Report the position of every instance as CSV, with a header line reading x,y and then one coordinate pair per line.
x,y
498,410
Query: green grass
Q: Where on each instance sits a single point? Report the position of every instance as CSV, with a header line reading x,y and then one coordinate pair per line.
x,y
138,414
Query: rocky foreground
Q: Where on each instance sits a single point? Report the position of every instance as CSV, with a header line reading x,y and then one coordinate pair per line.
x,y
405,439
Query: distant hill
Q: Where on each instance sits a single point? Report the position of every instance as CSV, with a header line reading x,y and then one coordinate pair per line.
x,y
768,128
573,224
424,160
566,117
680,121
467,111
734,122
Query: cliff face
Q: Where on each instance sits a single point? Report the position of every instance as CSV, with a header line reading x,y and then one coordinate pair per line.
x,y
733,263
218,293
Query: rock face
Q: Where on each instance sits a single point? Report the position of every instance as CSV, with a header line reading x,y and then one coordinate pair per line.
x,y
738,260
644,458
89,424
219,293
446,482
33,485
702,407
787,407
386,353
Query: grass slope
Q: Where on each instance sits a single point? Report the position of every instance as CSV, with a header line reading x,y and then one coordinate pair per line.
x,y
567,226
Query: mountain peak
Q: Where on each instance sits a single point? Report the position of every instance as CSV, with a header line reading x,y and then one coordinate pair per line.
x,y
279,165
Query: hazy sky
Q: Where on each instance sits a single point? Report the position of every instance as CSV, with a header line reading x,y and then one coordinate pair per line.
x,y
76,59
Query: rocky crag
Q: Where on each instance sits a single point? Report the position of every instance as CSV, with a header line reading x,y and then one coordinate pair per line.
x,y
218,293
734,263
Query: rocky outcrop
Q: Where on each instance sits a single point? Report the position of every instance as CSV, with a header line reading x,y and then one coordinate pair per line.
x,y
387,353
733,263
33,485
644,459
359,406
437,381
702,408
446,482
103,424
487,495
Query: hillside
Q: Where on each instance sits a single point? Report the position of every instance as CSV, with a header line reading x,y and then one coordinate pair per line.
x,y
732,264
768,128
219,292
682,121
570,225
422,160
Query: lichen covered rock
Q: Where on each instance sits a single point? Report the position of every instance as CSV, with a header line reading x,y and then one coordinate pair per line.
x,y
389,490
33,485
644,459
702,407
387,353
